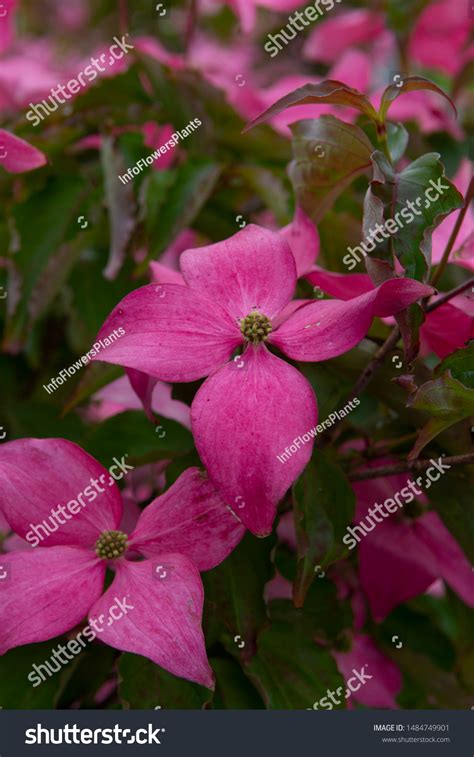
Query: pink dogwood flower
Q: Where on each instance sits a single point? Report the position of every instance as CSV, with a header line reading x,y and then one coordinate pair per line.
x,y
238,294
53,586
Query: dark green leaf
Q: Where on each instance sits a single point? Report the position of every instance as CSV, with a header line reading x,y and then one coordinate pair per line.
x,y
328,155
289,669
329,91
132,433
233,690
323,508
451,497
16,690
120,202
193,183
461,366
410,84
145,686
234,592
447,401
387,201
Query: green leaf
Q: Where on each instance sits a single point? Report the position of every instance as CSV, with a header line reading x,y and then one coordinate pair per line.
x,y
452,499
402,14
132,433
397,138
290,670
53,209
388,197
328,155
16,691
145,686
461,366
234,592
329,91
120,202
324,506
96,376
270,188
194,182
410,84
93,668
233,690
447,401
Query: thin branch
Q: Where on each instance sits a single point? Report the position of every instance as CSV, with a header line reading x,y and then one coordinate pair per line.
x,y
444,260
123,17
407,467
191,24
368,373
449,295
330,436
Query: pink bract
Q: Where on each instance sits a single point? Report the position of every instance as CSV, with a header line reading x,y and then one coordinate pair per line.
x,y
252,407
187,529
18,156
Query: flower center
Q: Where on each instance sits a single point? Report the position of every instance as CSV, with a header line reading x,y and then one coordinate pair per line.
x,y
255,327
111,544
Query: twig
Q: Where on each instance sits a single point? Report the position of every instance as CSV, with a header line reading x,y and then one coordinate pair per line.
x,y
406,467
367,374
444,260
364,379
449,295
190,24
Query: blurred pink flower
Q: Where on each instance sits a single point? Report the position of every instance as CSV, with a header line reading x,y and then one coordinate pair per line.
x,y
386,680
18,156
440,36
7,24
401,557
334,35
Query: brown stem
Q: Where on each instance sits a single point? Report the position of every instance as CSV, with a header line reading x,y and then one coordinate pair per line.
x,y
191,24
444,260
368,373
449,295
406,467
123,16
